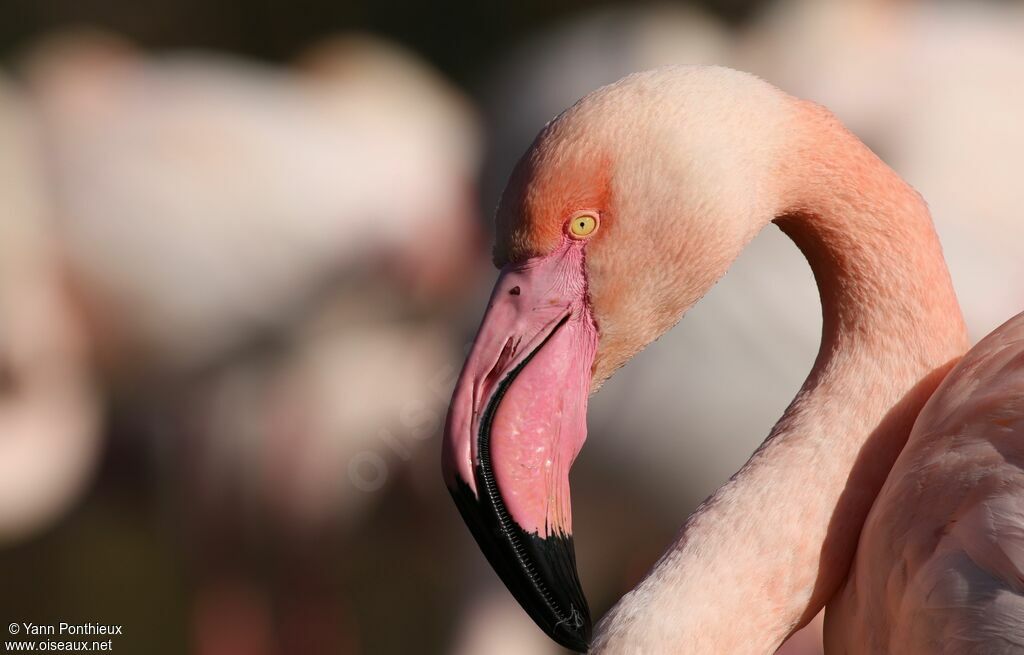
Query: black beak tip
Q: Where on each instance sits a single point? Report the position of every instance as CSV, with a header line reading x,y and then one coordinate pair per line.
x,y
539,571
575,638
557,603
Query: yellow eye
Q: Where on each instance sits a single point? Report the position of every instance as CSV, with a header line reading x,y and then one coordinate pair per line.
x,y
583,225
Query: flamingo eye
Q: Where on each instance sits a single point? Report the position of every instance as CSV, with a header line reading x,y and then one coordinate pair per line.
x,y
583,226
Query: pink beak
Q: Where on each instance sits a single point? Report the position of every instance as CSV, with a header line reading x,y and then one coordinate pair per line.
x,y
515,425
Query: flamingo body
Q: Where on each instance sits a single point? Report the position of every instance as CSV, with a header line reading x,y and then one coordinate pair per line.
x,y
940,564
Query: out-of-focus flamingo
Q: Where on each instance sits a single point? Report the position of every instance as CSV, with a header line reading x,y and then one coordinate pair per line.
x,y
211,205
49,410
624,212
178,182
256,247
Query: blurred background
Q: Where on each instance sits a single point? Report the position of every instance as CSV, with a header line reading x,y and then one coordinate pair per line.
x,y
244,246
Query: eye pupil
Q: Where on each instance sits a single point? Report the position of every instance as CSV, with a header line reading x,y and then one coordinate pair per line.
x,y
584,226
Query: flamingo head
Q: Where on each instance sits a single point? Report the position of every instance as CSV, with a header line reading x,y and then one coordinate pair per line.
x,y
624,211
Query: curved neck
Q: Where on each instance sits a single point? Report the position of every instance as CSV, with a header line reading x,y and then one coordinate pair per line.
x,y
769,549
871,244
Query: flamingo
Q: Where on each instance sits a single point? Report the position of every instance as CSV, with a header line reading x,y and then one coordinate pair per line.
x,y
50,411
622,214
119,124
361,116
225,315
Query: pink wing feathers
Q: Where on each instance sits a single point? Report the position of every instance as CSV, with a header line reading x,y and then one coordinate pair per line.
x,y
940,566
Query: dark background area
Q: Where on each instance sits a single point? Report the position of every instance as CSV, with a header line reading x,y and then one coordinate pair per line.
x,y
457,37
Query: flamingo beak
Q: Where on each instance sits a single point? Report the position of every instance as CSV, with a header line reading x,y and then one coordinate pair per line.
x,y
515,425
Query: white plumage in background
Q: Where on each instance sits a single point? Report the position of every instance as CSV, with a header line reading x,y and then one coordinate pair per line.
x,y
203,198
